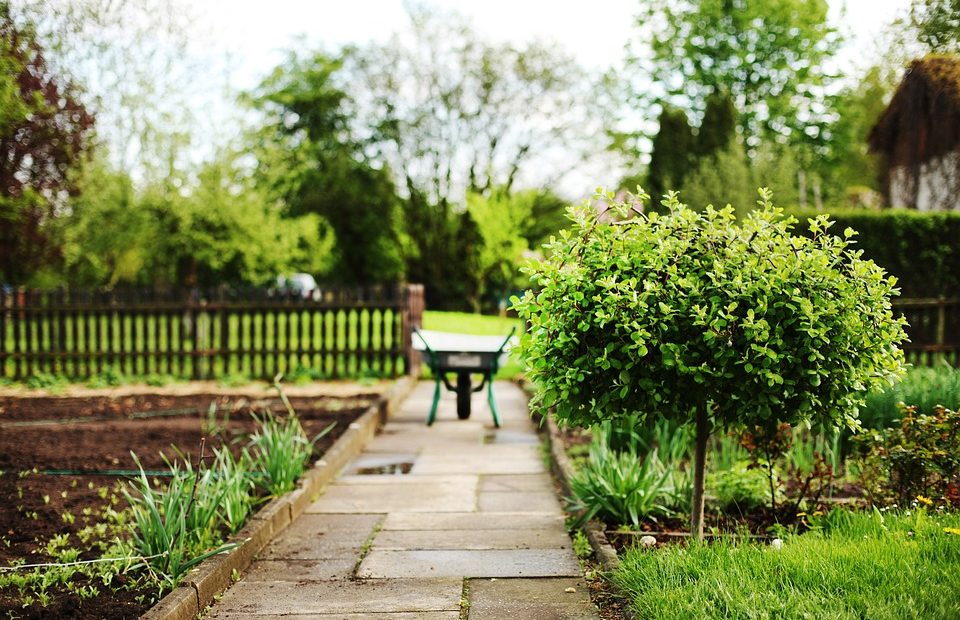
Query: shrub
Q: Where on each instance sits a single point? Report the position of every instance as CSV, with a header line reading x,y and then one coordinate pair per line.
x,y
692,317
619,487
918,247
918,459
740,488
923,388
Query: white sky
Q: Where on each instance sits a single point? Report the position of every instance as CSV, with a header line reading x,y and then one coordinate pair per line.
x,y
256,32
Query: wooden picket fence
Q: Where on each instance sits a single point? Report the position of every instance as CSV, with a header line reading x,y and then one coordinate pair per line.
x,y
934,330
344,332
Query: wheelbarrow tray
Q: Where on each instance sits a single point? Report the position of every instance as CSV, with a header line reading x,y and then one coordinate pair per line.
x,y
464,354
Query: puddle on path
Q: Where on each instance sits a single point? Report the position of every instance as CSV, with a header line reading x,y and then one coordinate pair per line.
x,y
382,464
392,468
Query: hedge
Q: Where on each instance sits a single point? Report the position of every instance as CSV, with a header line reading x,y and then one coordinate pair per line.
x,y
920,248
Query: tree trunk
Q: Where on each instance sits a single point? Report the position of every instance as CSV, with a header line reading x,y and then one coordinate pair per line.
x,y
699,471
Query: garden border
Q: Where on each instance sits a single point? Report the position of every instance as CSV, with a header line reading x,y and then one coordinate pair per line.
x,y
213,576
563,471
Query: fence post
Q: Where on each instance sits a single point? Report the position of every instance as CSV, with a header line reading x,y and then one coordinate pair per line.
x,y
941,323
412,315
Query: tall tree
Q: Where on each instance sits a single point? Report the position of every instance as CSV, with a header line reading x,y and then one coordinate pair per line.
x,y
937,24
44,132
453,113
309,156
143,72
450,113
672,153
719,125
769,55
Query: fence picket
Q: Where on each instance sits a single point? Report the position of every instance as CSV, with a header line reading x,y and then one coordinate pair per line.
x,y
79,334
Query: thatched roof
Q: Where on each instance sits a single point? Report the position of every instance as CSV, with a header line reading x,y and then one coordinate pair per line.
x,y
923,118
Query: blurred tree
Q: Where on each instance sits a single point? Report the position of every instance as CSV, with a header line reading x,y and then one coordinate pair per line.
x,y
449,114
773,166
672,154
720,179
937,24
453,113
224,231
142,73
44,133
849,165
769,55
310,157
511,226
719,125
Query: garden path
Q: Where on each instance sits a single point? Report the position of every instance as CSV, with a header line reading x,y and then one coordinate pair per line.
x,y
473,527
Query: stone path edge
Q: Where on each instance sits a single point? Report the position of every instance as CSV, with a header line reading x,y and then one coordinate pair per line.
x,y
214,575
563,471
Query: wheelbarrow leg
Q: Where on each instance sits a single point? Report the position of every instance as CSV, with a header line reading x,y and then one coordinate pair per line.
x,y
493,403
436,399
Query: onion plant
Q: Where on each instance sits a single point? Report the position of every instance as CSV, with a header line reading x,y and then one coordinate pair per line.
x,y
234,479
280,450
164,520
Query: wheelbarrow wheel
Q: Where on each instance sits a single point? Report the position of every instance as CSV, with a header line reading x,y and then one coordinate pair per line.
x,y
464,390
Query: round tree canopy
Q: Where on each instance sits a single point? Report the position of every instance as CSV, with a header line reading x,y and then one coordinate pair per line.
x,y
664,314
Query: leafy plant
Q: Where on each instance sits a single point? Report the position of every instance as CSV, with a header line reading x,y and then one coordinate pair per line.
x,y
306,374
280,450
923,388
159,380
232,477
164,522
694,317
46,381
740,488
233,379
619,487
919,458
766,445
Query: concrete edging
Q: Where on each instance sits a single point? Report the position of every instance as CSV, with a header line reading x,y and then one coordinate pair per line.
x,y
563,471
204,583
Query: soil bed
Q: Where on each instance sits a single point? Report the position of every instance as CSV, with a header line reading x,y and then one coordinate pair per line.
x,y
62,461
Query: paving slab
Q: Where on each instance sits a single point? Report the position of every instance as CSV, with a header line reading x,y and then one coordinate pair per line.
x,y
530,599
536,501
340,597
514,482
420,615
303,570
553,538
484,563
473,521
424,497
476,464
316,537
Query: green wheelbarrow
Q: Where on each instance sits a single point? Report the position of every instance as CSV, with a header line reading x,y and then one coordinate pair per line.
x,y
465,355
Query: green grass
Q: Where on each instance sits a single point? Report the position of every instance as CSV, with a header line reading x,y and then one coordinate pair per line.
x,y
856,565
923,387
478,325
466,323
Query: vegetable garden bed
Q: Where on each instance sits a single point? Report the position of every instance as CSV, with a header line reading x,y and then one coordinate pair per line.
x,y
65,461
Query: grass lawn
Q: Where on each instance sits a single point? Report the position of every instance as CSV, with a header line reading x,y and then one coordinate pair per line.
x,y
855,565
480,325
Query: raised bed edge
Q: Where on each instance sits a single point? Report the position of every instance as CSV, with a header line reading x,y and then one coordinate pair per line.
x,y
563,470
213,576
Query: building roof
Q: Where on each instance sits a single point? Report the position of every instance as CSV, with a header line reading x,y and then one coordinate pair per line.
x,y
923,118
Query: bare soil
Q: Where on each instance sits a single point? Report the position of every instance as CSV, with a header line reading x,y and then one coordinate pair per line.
x,y
62,459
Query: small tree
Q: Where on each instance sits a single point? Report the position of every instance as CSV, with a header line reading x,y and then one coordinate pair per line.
x,y
694,317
